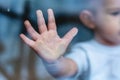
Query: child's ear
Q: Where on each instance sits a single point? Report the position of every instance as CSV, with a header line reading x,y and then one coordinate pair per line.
x,y
87,19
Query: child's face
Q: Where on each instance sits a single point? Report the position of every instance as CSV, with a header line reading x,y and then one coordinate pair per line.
x,y
107,21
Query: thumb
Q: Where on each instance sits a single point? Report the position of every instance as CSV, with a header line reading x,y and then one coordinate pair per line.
x,y
70,35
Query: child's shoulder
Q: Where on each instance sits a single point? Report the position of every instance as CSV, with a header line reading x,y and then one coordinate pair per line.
x,y
86,46
87,43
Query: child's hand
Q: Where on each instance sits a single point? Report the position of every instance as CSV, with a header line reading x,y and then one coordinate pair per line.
x,y
48,45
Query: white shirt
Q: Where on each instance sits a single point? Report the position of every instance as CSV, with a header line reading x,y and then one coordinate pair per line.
x,y
96,61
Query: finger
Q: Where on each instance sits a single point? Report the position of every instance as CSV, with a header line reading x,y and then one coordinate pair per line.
x,y
27,40
70,35
41,22
31,31
51,20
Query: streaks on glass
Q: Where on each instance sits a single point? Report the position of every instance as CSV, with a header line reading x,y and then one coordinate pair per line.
x,y
8,9
2,9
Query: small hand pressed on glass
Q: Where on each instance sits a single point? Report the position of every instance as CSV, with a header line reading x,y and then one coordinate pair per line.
x,y
47,44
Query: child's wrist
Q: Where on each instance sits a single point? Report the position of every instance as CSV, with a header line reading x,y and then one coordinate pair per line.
x,y
54,62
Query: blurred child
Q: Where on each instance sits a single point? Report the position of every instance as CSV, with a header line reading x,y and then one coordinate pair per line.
x,y
96,59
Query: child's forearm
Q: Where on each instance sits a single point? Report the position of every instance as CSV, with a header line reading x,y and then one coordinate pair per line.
x,y
61,68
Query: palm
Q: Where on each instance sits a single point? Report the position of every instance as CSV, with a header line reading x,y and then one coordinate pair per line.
x,y
48,45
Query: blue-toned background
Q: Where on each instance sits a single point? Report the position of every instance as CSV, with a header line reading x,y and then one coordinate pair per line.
x,y
18,61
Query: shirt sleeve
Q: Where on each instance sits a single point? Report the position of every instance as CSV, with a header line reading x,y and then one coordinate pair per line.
x,y
79,56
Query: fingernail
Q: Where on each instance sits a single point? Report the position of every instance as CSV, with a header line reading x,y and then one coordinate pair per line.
x,y
39,11
50,10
